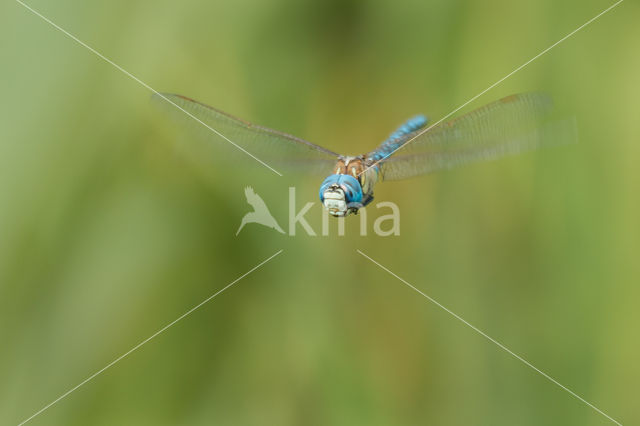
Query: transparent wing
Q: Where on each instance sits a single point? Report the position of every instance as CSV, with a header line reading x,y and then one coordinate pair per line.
x,y
279,150
509,126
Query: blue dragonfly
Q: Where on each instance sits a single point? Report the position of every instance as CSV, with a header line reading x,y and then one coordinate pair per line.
x,y
511,125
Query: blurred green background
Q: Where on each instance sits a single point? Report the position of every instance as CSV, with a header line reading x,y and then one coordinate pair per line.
x,y
108,231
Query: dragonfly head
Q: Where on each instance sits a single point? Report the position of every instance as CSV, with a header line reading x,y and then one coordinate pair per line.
x,y
341,194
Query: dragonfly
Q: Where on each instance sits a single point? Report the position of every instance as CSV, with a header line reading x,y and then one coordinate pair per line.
x,y
508,126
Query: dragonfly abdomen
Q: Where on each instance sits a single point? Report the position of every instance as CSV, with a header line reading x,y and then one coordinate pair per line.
x,y
398,138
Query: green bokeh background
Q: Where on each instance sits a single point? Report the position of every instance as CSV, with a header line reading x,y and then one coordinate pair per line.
x,y
109,230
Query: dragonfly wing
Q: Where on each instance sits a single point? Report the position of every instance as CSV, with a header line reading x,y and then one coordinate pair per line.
x,y
512,125
406,166
277,149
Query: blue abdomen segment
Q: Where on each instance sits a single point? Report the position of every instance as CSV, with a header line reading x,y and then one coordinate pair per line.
x,y
398,138
349,184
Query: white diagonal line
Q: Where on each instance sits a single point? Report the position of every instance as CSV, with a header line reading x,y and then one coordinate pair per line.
x,y
495,84
491,339
147,339
100,55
